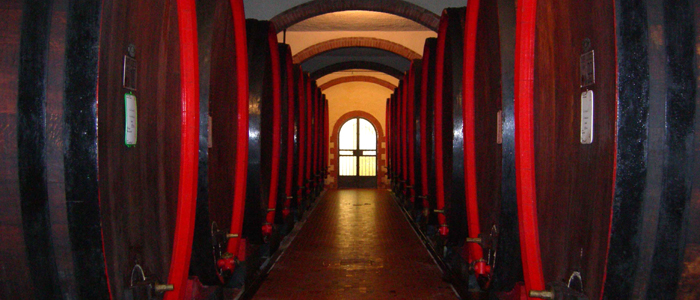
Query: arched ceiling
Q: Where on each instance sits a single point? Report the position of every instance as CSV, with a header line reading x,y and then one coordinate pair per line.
x,y
373,55
268,9
354,42
333,38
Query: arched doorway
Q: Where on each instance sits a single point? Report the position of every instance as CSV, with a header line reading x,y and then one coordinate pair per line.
x,y
357,154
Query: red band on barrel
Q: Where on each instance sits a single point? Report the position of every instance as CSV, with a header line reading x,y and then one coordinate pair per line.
x,y
424,120
189,149
439,75
241,119
276,122
524,144
472,203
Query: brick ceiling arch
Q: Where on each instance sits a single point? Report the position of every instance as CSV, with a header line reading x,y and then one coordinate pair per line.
x,y
350,42
346,79
400,8
349,65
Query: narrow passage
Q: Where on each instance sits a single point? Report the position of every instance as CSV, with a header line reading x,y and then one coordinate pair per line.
x,y
356,244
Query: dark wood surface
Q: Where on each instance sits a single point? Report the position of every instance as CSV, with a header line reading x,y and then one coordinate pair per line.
x,y
218,103
508,248
574,181
36,250
453,144
139,185
487,104
222,109
17,279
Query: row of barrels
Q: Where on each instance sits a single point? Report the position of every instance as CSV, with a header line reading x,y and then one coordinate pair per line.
x,y
146,146
549,149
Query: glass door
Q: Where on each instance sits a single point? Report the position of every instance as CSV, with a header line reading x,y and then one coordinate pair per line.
x,y
357,153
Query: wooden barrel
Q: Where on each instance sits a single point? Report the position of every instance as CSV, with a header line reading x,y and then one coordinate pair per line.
x,y
507,271
393,136
449,155
308,140
427,133
263,132
326,138
301,124
222,143
130,231
316,141
37,260
402,137
66,233
604,127
491,215
413,115
146,191
289,88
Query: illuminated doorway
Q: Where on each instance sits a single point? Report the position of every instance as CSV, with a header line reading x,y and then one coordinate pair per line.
x,y
357,153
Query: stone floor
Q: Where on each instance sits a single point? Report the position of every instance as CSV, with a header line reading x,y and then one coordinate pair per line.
x,y
355,245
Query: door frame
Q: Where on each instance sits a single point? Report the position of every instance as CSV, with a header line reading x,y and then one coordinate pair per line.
x,y
381,147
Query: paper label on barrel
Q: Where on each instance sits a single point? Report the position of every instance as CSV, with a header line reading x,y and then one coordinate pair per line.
x,y
587,117
131,121
587,69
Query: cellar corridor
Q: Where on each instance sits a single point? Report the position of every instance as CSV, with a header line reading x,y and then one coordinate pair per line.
x,y
349,149
356,244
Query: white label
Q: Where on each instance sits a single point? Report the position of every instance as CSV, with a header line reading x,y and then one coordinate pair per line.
x,y
587,117
499,127
131,121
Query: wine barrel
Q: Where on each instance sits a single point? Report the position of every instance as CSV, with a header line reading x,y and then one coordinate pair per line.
x,y
222,156
387,120
301,124
326,138
35,243
289,87
413,115
604,128
130,231
404,135
449,154
427,134
399,140
316,141
263,133
488,210
393,133
507,269
147,191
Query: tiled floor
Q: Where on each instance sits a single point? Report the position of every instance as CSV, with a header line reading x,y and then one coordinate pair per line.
x,y
355,245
